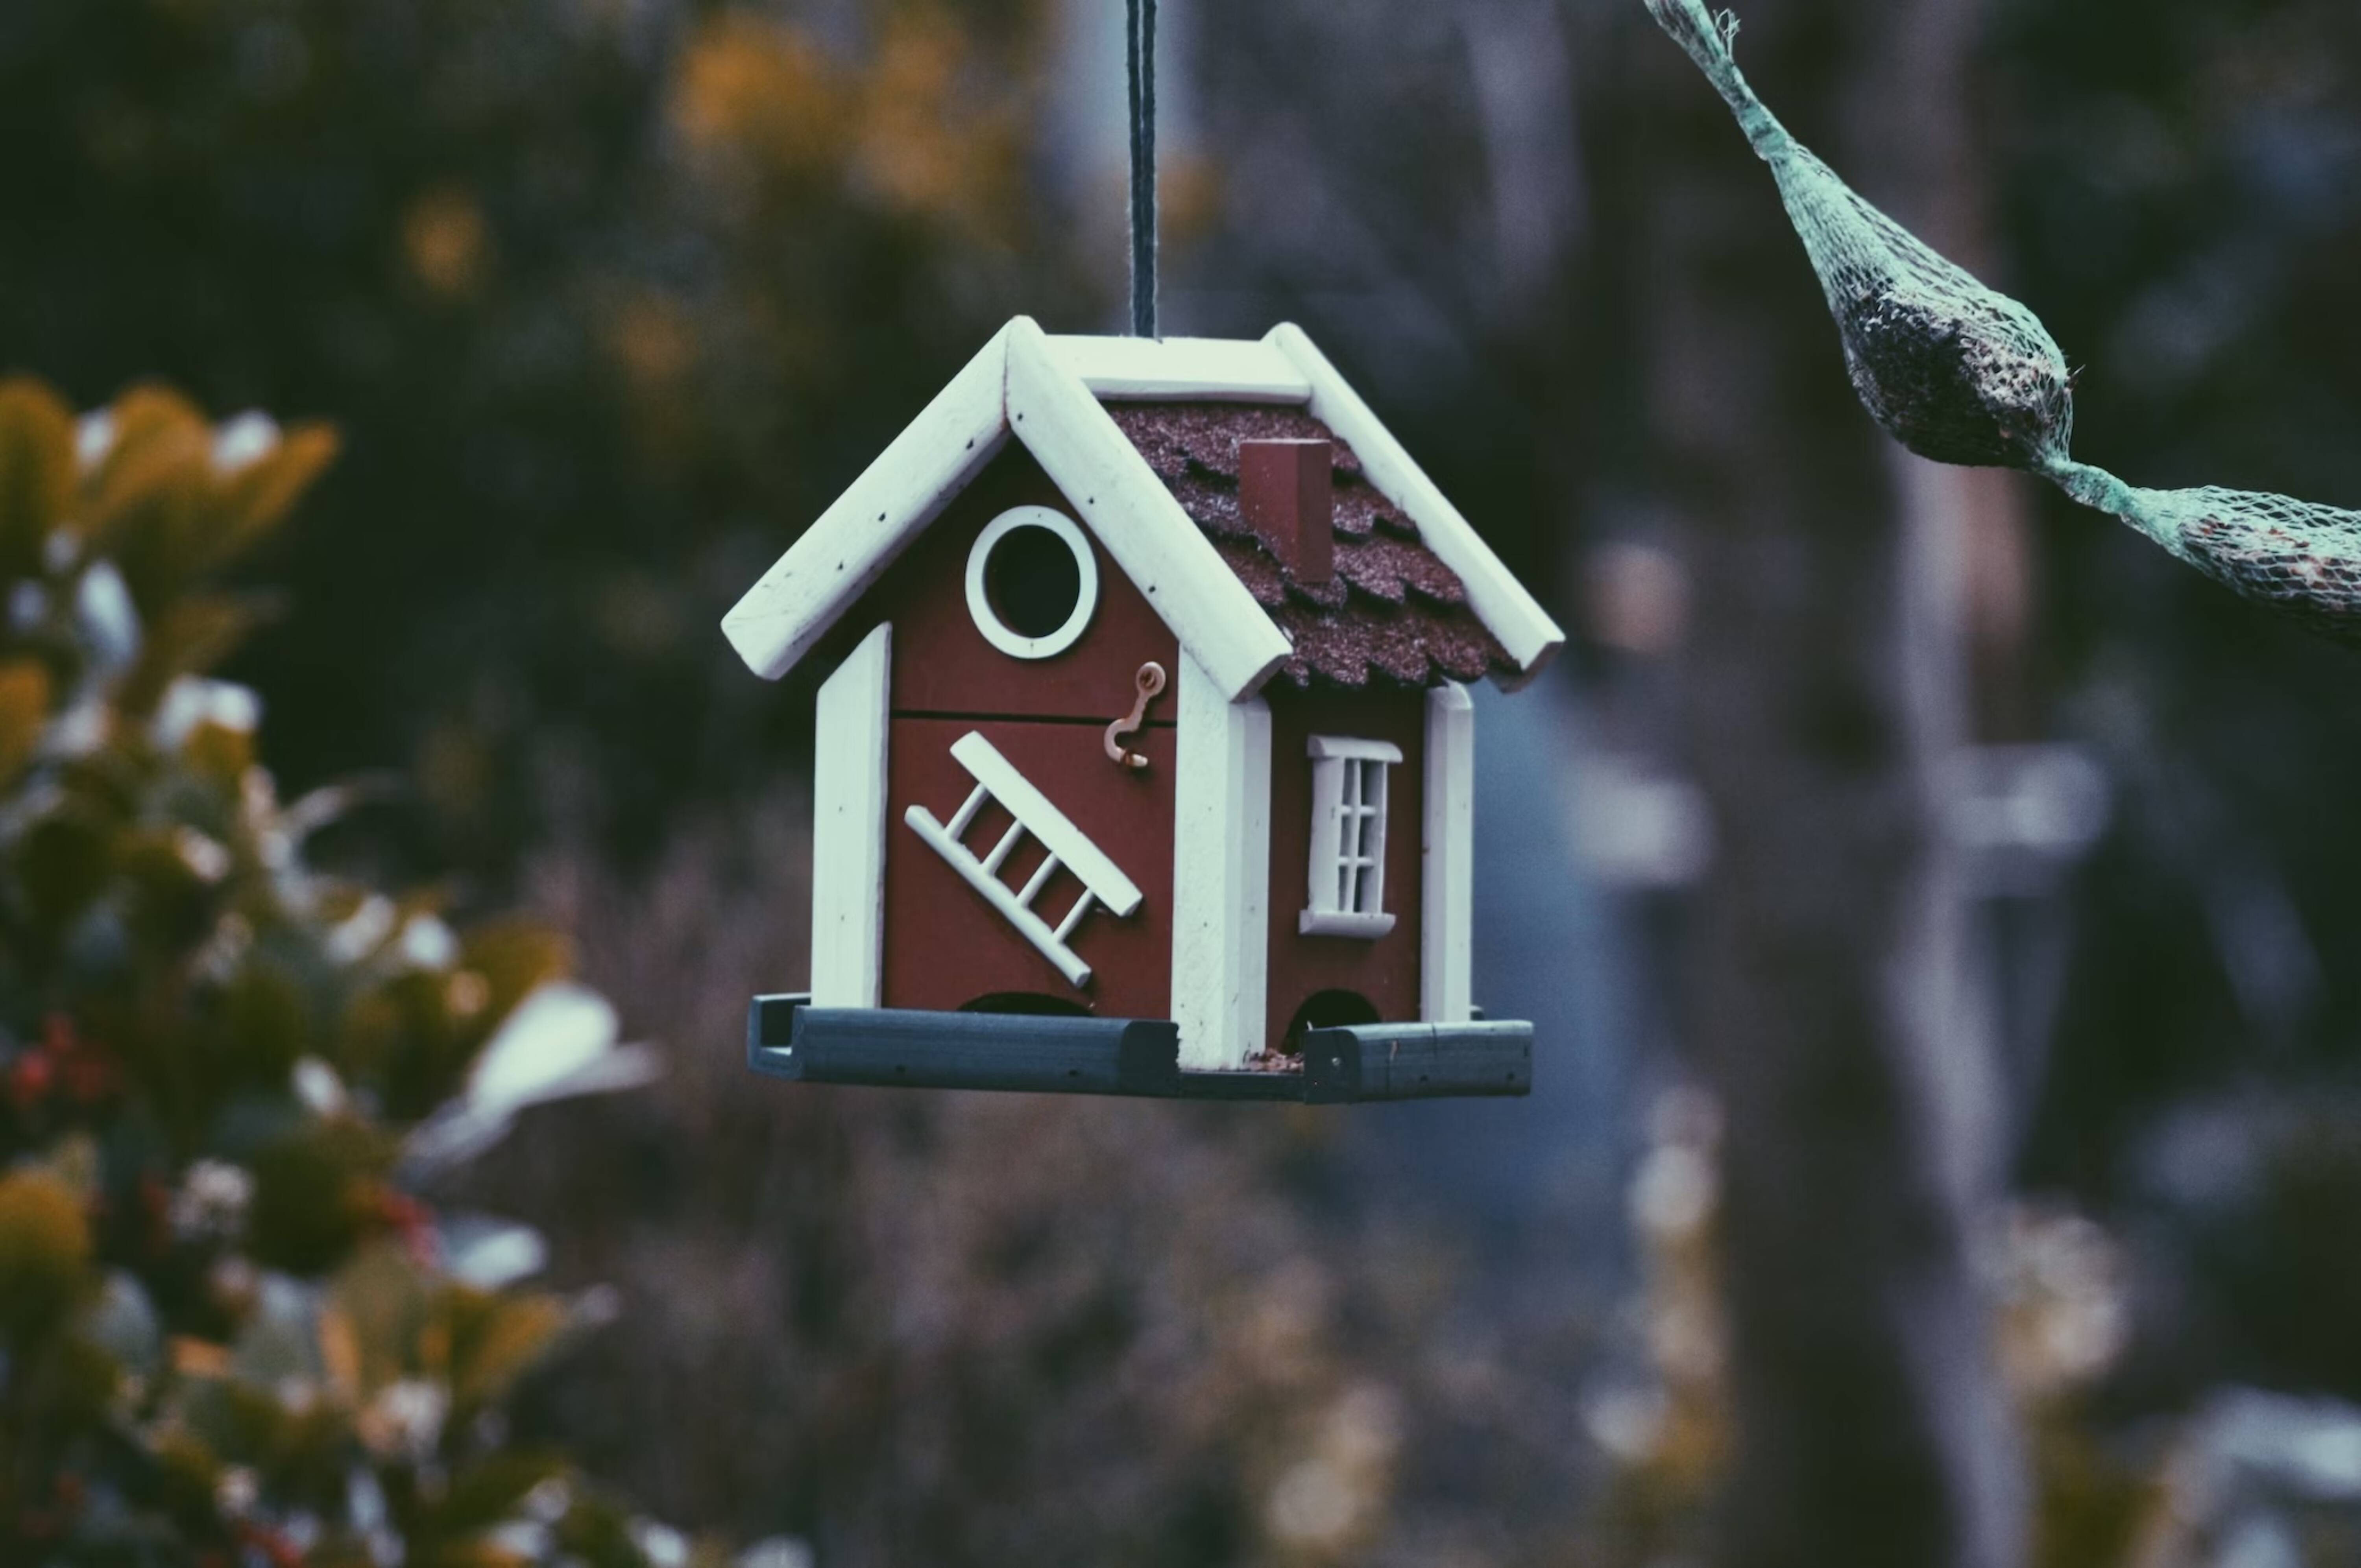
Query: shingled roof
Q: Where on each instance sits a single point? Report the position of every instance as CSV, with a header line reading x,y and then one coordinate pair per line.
x,y
1141,435
1393,615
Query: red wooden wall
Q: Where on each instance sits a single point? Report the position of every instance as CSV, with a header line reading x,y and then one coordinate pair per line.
x,y
945,946
1384,972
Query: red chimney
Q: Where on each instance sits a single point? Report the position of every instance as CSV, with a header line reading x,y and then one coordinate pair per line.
x,y
1287,494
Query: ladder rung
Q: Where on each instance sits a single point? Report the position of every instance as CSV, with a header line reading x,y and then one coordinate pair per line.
x,y
1064,846
1039,879
1025,802
1034,929
1074,915
1002,851
965,817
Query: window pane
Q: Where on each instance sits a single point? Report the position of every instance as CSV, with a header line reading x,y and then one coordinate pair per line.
x,y
1370,892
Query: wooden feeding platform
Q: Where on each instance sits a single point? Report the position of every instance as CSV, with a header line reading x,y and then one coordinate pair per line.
x,y
787,1037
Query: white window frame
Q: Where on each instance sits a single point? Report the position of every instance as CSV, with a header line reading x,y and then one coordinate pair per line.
x,y
1348,886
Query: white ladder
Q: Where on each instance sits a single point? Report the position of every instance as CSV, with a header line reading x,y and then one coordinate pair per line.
x,y
1104,882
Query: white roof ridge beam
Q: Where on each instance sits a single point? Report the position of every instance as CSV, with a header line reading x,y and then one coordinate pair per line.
x,y
1103,476
1212,369
1500,602
843,554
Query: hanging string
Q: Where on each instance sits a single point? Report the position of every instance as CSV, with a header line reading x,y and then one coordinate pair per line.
x,y
1140,46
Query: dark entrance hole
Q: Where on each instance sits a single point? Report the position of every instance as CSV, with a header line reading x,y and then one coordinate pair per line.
x,y
1326,1009
1033,581
1027,1004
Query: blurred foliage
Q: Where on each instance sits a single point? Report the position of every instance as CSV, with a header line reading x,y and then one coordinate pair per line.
x,y
229,1329
2241,1476
610,298
968,1330
2179,190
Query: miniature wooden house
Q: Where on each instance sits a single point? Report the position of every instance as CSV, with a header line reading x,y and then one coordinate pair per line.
x,y
1147,709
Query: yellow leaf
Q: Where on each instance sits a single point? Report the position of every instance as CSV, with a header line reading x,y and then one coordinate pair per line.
x,y
194,1357
44,1252
496,1339
147,505
763,91
384,1303
37,472
157,434
340,1352
445,240
476,1554
514,956
258,497
24,710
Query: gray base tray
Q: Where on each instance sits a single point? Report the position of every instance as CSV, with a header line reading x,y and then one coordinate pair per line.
x,y
788,1037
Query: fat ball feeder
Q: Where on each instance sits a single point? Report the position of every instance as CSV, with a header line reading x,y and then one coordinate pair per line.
x,y
1963,375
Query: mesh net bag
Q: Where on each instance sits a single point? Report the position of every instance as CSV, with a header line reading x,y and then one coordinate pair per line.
x,y
1960,374
2299,557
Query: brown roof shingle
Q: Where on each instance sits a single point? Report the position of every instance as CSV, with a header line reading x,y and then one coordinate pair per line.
x,y
1394,614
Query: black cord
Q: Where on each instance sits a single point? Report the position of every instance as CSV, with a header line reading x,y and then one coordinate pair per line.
x,y
1141,50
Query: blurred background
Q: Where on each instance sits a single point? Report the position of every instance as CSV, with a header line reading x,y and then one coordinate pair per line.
x,y
1938,909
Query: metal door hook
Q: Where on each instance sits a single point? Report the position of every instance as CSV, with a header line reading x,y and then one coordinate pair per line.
x,y
1150,685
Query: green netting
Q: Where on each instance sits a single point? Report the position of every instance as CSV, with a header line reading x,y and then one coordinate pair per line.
x,y
1960,374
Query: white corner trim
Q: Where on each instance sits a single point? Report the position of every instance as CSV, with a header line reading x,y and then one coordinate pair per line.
x,y
843,553
1214,369
1221,873
848,827
1446,979
1524,628
1326,746
1014,643
1165,556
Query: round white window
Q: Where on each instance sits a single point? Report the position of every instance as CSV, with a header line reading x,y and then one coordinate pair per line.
x,y
1032,582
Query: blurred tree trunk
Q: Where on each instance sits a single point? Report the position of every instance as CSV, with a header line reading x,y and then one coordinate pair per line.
x,y
1826,685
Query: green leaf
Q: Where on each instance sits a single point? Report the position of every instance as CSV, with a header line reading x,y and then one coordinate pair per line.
x,y
169,902
187,637
267,1020
316,1194
61,865
490,1492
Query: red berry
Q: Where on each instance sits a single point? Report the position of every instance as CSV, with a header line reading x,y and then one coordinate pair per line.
x,y
28,1081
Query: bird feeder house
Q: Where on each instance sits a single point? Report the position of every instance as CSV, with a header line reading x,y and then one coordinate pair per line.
x,y
1144,762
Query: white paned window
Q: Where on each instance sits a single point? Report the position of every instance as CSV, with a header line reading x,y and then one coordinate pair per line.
x,y
1348,838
